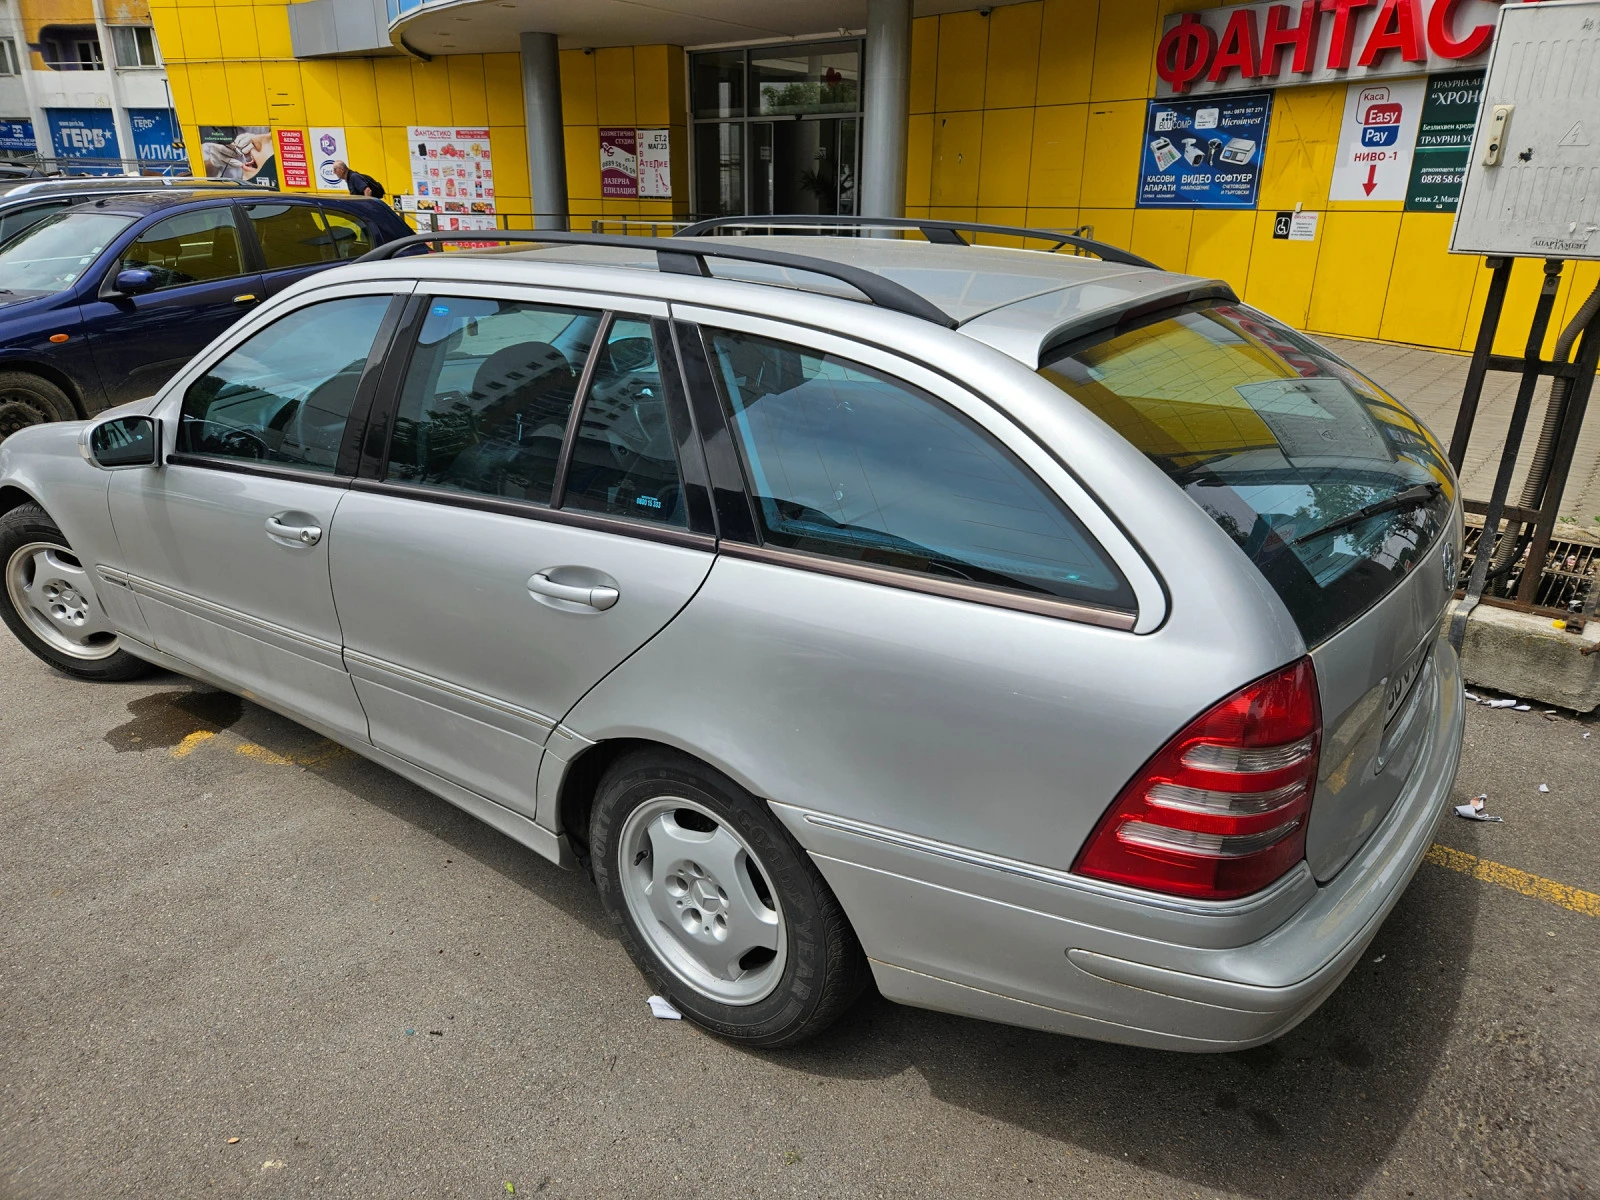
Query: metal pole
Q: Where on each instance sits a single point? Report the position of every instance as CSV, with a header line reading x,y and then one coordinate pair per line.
x,y
887,99
547,147
1487,328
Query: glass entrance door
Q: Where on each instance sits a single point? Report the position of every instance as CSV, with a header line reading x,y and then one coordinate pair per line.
x,y
805,166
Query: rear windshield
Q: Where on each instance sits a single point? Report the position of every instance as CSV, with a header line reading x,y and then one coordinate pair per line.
x,y
51,255
1329,486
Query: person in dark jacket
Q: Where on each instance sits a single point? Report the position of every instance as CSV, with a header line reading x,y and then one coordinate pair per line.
x,y
359,184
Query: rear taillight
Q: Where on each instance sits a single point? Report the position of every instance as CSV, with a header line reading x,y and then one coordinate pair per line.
x,y
1221,811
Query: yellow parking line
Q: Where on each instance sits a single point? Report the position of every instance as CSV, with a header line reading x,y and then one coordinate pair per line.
x,y
1548,890
187,747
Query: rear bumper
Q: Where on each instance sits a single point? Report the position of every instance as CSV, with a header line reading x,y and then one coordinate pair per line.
x,y
967,933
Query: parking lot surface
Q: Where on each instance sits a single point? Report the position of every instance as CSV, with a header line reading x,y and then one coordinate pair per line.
x,y
238,960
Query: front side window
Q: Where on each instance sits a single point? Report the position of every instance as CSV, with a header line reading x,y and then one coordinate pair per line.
x,y
291,235
53,254
848,463
1329,486
192,247
284,395
488,396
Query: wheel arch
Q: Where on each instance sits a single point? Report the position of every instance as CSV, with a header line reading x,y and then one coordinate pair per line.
x,y
53,375
11,496
581,781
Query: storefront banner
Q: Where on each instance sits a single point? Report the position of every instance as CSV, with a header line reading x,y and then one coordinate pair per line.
x,y
655,164
85,133
1379,132
155,137
292,161
326,145
17,137
1259,45
1444,139
1204,153
619,163
451,170
239,152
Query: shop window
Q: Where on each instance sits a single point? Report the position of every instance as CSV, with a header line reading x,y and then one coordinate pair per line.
x,y
134,45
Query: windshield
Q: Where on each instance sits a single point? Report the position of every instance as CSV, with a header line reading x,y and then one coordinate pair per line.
x,y
1330,486
51,255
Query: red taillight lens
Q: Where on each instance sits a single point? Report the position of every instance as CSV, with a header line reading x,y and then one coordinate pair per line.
x,y
1221,811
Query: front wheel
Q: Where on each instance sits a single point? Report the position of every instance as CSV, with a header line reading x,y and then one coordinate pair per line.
x,y
50,604
718,906
27,399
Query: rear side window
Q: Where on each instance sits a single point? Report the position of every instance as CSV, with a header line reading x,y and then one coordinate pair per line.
x,y
285,394
189,248
1329,486
349,237
291,235
848,463
488,396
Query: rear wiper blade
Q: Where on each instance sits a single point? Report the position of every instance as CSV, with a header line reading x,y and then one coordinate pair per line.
x,y
1412,497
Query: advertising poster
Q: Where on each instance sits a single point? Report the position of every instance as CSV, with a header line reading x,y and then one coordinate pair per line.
x,y
16,137
156,140
1379,132
85,133
239,152
1444,139
292,161
655,164
326,147
619,163
452,172
1204,153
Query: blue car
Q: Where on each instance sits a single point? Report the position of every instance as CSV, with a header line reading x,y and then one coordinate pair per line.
x,y
101,303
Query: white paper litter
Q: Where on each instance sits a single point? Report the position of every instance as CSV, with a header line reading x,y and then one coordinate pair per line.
x,y
1499,703
1476,699
1524,708
660,1008
1474,811
1544,787
1586,737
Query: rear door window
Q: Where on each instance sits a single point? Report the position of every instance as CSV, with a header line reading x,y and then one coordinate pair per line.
x,y
291,235
848,463
1328,484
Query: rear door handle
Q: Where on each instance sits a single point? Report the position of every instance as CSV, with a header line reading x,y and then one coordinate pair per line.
x,y
246,298
600,598
306,535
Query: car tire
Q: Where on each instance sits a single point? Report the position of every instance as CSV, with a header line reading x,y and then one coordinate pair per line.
x,y
48,602
27,399
677,848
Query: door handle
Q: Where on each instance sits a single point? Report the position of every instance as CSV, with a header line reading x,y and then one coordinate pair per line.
x,y
246,298
306,535
600,598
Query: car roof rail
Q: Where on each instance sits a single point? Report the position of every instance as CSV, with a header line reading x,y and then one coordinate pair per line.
x,y
945,233
679,258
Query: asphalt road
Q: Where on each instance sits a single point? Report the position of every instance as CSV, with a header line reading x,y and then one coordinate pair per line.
x,y
253,935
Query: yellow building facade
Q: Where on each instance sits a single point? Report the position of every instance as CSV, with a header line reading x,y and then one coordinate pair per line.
x,y
1023,114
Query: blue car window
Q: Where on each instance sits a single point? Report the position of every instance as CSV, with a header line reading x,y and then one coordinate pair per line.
x,y
284,395
51,255
851,464
191,247
350,237
291,235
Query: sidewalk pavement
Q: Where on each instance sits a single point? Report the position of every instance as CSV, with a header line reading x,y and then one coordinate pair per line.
x,y
1429,382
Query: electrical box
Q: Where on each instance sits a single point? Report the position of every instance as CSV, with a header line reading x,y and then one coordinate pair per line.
x,y
1532,187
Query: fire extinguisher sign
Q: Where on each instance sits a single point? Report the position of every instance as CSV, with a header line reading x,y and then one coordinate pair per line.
x,y
1204,152
1377,139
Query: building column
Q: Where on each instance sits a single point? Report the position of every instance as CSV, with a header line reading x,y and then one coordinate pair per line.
x,y
547,147
887,101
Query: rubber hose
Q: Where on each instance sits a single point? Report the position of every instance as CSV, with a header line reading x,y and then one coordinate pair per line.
x,y
1554,412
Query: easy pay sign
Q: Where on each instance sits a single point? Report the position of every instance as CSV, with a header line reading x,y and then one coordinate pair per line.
x,y
1319,41
1377,139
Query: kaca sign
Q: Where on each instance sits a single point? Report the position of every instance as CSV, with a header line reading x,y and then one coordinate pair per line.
x,y
1320,41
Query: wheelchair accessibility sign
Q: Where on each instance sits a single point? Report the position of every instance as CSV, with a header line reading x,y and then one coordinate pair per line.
x,y
1377,139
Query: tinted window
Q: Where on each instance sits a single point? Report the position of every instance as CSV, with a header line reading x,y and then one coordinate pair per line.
x,y
284,395
488,396
1282,444
291,235
189,248
55,252
18,219
849,463
624,463
350,237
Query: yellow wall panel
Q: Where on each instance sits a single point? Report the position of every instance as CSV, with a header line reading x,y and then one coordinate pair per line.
x,y
613,86
320,79
1111,154
1352,279
364,145
1066,50
577,88
502,81
169,34
358,92
919,160
1114,225
1429,290
1002,216
272,30
1298,163
953,212
1162,236
1124,50
1280,274
178,83
397,159
236,27
247,93
391,78
651,87
208,85
963,47
924,63
957,146
198,29
1055,170
583,161
430,85
1052,218
509,146
285,96
1003,162
1011,77
469,104
1220,244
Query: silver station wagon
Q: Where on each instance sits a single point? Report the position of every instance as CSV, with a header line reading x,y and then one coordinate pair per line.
x,y
1041,637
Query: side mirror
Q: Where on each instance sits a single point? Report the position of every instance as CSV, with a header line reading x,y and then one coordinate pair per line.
x,y
123,442
135,281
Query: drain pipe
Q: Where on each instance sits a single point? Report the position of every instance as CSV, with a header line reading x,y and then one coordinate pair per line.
x,y
1539,468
